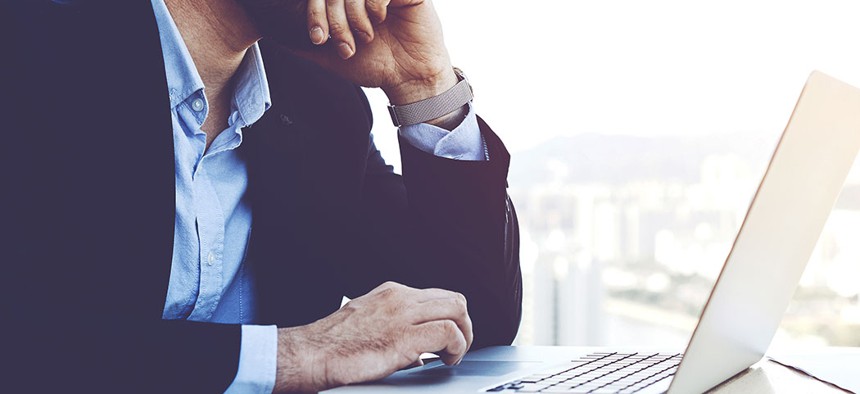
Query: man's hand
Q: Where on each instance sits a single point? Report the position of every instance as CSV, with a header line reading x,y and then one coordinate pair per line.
x,y
373,336
396,45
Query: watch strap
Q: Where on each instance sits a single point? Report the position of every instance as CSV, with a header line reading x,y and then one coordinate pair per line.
x,y
433,107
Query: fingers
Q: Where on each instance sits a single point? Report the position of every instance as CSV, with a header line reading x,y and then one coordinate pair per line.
x,y
431,308
359,22
378,9
440,336
339,28
317,21
344,21
453,309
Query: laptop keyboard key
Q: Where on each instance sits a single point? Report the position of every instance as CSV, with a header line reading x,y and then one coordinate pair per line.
x,y
602,373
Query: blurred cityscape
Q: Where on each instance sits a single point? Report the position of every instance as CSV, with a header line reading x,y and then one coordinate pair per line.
x,y
623,238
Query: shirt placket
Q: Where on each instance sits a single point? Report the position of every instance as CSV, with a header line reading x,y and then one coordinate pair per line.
x,y
210,230
209,219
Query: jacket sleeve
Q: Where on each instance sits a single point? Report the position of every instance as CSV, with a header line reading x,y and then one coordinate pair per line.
x,y
119,356
449,224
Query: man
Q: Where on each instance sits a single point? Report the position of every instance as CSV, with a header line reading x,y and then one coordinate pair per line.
x,y
179,218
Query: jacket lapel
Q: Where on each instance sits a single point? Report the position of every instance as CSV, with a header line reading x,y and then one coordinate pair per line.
x,y
306,166
117,116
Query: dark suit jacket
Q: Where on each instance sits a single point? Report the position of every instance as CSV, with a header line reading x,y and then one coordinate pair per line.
x,y
87,208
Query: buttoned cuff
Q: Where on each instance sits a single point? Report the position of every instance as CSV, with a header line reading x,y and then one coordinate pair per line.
x,y
463,143
258,361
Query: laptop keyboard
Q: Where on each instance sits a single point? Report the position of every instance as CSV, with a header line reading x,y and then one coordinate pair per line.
x,y
602,373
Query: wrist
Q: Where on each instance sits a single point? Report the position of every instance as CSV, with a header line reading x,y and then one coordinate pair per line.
x,y
415,90
443,109
451,120
297,361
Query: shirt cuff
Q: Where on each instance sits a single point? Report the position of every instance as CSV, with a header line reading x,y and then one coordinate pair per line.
x,y
258,361
463,143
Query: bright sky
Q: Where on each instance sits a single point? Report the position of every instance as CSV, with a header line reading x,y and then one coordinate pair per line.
x,y
547,68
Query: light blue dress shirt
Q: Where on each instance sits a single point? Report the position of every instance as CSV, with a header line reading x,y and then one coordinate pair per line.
x,y
208,281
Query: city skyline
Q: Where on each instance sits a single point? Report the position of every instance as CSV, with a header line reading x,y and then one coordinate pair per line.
x,y
621,260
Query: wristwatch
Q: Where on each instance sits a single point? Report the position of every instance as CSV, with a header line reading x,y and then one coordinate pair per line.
x,y
433,107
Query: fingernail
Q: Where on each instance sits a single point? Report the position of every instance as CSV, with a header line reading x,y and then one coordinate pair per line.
x,y
317,35
344,50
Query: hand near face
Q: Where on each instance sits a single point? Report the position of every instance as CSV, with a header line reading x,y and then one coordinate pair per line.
x,y
396,45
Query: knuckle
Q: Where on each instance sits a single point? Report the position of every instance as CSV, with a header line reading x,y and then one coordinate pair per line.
x,y
463,347
357,21
350,307
376,8
460,307
338,29
386,293
461,299
449,327
316,14
459,345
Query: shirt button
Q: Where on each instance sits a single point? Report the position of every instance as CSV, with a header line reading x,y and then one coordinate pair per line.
x,y
211,258
197,104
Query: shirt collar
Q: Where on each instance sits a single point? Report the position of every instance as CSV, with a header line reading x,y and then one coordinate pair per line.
x,y
251,97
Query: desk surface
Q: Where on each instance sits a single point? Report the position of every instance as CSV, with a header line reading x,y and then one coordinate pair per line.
x,y
765,376
769,377
839,365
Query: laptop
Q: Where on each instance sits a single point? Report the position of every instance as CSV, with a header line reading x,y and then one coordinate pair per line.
x,y
744,310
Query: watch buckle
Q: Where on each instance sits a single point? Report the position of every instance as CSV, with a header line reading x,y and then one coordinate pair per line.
x,y
393,114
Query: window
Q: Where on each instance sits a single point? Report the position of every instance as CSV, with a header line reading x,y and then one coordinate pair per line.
x,y
639,133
